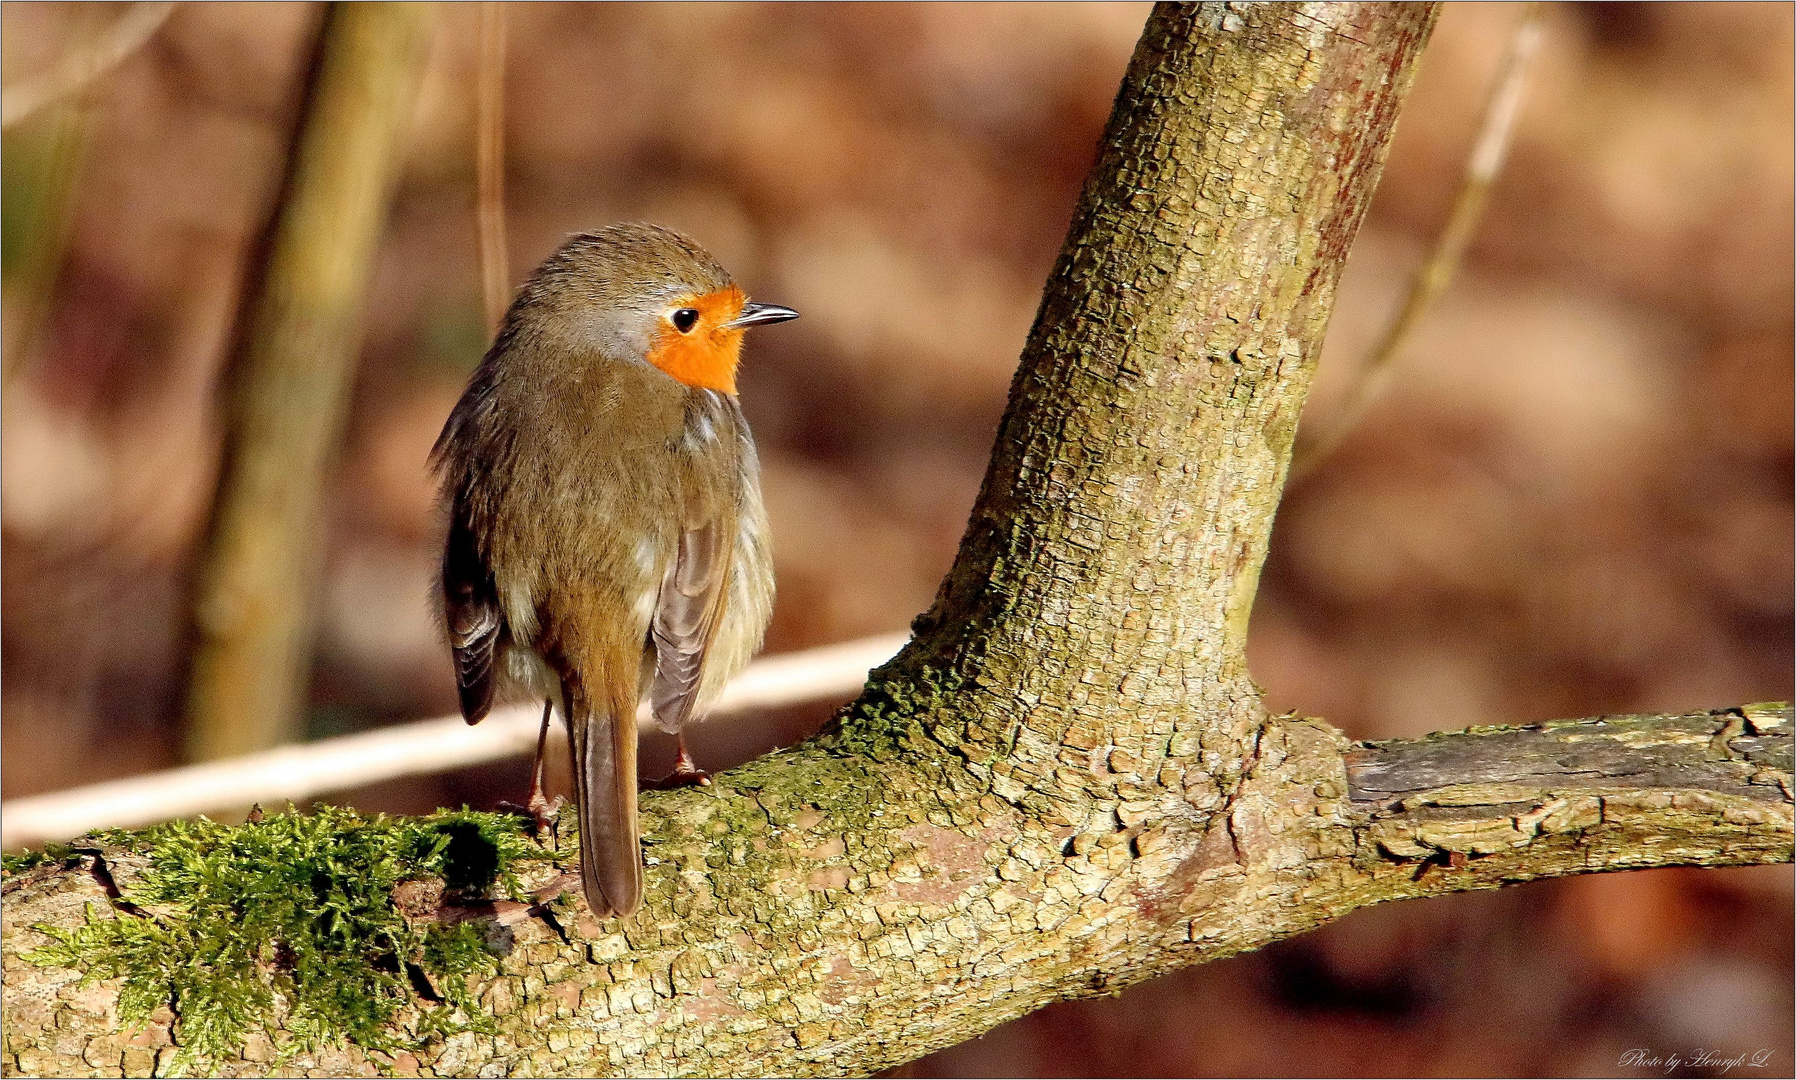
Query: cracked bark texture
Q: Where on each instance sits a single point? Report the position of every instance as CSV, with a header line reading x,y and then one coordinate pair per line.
x,y
1067,783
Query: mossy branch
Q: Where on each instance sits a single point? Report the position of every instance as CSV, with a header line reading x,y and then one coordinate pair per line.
x,y
819,912
1067,783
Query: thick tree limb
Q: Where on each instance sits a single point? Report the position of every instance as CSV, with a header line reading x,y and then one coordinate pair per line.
x,y
1067,783
872,918
1497,804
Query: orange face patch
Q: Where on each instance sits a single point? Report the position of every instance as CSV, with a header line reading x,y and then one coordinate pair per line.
x,y
704,355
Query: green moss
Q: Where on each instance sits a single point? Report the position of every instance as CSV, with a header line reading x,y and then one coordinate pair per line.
x,y
226,921
18,862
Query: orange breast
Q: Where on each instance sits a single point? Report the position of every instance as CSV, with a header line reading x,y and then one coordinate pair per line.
x,y
705,356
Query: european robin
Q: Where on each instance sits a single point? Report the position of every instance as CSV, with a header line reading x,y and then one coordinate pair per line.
x,y
606,535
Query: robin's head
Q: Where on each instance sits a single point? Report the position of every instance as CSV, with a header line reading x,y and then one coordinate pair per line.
x,y
642,293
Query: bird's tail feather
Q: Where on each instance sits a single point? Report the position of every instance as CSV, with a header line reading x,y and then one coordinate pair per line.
x,y
602,742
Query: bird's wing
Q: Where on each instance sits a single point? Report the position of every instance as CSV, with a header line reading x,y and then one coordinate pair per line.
x,y
687,612
471,610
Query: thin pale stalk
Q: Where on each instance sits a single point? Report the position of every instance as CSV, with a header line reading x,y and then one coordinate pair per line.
x,y
495,262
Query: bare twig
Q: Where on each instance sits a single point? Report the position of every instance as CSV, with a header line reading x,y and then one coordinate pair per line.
x,y
85,63
302,772
495,262
1438,269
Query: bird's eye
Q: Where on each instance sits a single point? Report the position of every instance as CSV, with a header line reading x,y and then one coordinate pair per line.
x,y
685,319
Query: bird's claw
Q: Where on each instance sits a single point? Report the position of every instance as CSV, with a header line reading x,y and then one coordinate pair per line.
x,y
680,778
539,812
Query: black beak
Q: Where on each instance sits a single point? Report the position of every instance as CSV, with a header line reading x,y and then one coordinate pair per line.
x,y
759,315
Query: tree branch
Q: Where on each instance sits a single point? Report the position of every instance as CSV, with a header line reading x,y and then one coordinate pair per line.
x,y
301,772
1494,805
1067,782
86,62
287,397
1442,262
814,915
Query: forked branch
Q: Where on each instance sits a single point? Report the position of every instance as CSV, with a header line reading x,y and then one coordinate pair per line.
x,y
1067,782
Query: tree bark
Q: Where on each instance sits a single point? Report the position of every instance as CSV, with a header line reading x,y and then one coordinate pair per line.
x,y
289,382
822,915
1067,783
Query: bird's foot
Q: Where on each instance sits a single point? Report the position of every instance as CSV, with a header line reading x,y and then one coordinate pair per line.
x,y
680,778
538,811
686,773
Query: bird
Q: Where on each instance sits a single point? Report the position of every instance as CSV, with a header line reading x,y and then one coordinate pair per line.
x,y
606,536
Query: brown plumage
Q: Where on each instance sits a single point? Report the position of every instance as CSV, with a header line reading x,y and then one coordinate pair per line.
x,y
606,534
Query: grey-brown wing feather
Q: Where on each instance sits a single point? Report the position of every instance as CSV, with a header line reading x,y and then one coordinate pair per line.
x,y
471,610
687,611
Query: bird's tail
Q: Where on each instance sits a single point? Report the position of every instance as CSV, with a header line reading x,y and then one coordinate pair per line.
x,y
602,742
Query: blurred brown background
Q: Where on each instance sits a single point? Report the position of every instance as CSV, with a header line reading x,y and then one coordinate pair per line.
x,y
1577,499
